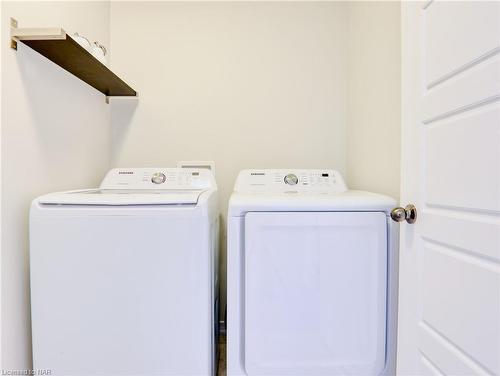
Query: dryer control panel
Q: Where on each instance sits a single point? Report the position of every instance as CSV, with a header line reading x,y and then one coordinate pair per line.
x,y
158,179
290,181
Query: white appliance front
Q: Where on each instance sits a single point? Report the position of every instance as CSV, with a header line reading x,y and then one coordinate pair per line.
x,y
124,289
312,277
315,293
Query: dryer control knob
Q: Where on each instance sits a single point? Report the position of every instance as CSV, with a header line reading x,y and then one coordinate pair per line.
x,y
291,179
158,178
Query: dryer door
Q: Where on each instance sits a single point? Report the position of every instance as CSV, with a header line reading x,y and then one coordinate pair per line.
x,y
315,293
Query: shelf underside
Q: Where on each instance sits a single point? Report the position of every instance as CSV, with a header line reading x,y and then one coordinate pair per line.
x,y
64,51
69,55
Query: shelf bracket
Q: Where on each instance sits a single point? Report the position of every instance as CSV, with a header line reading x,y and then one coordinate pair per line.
x,y
13,26
127,97
17,33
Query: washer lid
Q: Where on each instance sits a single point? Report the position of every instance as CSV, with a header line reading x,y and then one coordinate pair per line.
x,y
141,186
122,197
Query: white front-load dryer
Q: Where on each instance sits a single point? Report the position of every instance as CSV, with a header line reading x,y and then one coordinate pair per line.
x,y
124,277
312,270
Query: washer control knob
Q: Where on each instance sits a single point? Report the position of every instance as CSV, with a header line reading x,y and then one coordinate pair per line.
x,y
158,178
291,179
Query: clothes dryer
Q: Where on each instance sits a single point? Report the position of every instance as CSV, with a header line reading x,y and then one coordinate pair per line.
x,y
312,271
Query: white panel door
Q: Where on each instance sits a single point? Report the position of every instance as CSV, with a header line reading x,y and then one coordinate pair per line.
x,y
315,293
449,298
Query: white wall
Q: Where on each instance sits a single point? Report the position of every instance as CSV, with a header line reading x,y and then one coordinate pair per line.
x,y
373,97
246,84
249,84
54,136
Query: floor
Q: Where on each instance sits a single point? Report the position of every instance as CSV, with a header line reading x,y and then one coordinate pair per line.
x,y
221,371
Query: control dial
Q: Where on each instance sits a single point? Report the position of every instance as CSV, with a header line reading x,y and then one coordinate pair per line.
x,y
291,179
158,178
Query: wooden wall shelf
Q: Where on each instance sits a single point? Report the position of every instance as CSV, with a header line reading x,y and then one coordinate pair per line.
x,y
57,46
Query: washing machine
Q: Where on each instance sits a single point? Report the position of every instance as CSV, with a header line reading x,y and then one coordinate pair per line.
x,y
312,271
124,277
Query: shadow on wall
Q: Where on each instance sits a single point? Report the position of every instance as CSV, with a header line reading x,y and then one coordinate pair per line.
x,y
54,97
121,117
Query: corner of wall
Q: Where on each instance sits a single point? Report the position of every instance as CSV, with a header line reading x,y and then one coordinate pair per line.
x,y
374,97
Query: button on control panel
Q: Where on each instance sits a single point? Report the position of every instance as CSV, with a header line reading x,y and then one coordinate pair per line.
x,y
158,178
291,179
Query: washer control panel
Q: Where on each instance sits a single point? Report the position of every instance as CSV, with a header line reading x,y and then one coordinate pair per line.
x,y
290,181
158,179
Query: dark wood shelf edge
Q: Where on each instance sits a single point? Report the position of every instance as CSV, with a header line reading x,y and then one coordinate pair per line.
x,y
64,51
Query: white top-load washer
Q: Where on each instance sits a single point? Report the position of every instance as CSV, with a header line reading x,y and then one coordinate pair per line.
x,y
124,277
312,271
